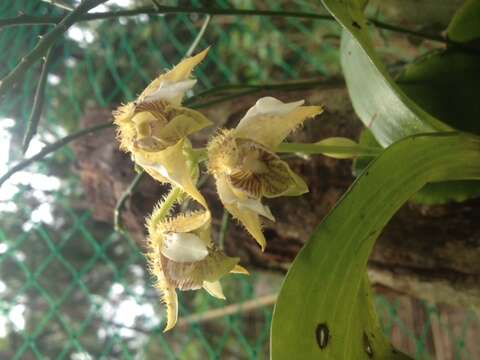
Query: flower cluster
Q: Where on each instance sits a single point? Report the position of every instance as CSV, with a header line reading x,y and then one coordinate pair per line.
x,y
154,129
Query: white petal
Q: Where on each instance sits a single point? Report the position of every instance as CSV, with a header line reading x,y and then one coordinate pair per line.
x,y
162,170
170,91
184,247
268,106
228,197
256,206
214,288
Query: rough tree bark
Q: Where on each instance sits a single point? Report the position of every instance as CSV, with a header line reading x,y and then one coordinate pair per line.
x,y
429,252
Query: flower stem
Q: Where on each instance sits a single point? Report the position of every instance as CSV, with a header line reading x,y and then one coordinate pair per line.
x,y
117,218
329,150
246,89
167,205
222,234
38,102
199,36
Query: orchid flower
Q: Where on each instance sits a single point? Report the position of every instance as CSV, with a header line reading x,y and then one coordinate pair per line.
x,y
245,166
182,256
154,127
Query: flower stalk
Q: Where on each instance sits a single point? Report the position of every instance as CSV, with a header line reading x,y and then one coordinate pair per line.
x,y
336,151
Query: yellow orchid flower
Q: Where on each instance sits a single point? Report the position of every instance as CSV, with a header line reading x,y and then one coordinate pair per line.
x,y
245,166
182,256
154,127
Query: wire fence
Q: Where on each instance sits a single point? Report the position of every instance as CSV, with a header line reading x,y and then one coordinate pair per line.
x,y
71,287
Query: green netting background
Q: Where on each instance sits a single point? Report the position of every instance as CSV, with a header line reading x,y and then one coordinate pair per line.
x,y
72,288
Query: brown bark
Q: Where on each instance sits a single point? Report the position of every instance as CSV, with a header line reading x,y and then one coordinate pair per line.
x,y
427,251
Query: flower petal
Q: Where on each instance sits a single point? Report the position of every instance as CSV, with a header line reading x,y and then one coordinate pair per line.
x,y
173,84
280,180
214,288
183,223
239,269
256,206
269,106
251,221
169,297
126,130
184,247
270,120
185,122
244,203
171,91
191,275
170,165
247,215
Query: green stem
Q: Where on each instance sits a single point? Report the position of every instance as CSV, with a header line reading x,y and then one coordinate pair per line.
x,y
167,205
163,10
249,88
117,218
198,154
312,149
44,44
223,229
199,36
60,4
51,148
38,102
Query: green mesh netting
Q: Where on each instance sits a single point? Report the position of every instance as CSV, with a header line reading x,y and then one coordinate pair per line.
x,y
72,288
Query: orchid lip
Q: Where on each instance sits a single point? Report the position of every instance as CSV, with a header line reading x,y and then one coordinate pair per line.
x,y
184,247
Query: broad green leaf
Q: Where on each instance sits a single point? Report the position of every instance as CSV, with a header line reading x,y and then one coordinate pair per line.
x,y
377,99
326,283
430,194
361,162
465,25
448,191
447,84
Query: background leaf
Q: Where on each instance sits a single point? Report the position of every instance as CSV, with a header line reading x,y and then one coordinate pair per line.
x,y
378,101
436,93
465,25
326,283
447,85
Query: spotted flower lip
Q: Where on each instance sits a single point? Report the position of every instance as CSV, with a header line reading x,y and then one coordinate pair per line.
x,y
246,167
182,256
154,127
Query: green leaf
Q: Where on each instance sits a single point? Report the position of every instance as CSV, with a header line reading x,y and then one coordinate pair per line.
x,y
377,99
448,191
360,163
465,25
446,84
430,194
326,283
